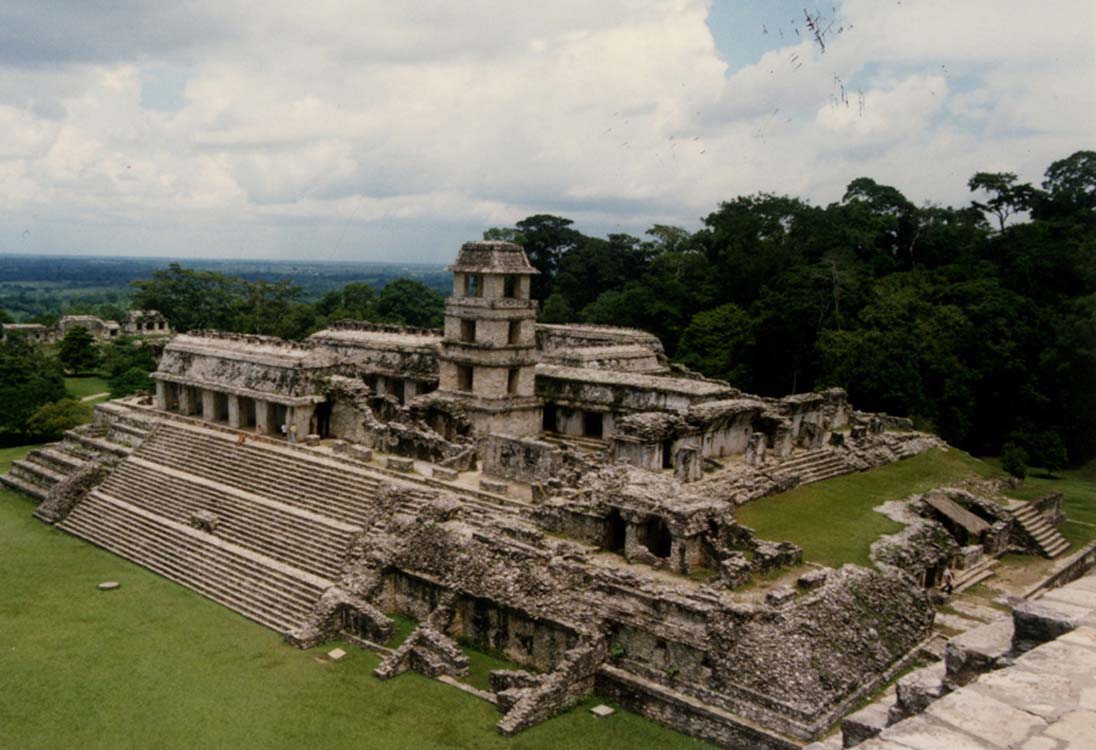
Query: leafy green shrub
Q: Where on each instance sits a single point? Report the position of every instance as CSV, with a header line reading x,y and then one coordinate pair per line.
x,y
1014,460
52,419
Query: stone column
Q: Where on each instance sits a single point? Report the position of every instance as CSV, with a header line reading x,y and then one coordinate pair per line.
x,y
209,405
161,395
233,411
301,416
263,416
185,405
631,540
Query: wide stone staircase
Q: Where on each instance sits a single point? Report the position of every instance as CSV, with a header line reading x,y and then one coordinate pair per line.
x,y
254,585
294,478
295,537
812,466
1048,540
262,529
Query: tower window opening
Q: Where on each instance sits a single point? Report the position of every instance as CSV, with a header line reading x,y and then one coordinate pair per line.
x,y
465,378
510,286
512,380
473,285
467,330
514,334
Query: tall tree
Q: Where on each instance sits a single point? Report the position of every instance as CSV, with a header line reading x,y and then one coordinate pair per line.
x,y
78,352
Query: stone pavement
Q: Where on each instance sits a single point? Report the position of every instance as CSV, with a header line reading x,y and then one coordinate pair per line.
x,y
1044,700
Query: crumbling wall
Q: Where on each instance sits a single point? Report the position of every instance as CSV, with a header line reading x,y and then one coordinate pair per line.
x,y
71,490
822,651
524,460
557,691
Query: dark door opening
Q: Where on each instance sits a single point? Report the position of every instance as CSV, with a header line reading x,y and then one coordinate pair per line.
x,y
323,419
592,425
667,454
616,531
549,422
658,538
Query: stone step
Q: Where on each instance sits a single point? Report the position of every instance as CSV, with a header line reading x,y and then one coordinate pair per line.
x,y
970,577
277,539
20,485
262,589
292,580
280,463
1048,540
35,473
304,489
243,593
314,549
54,456
98,445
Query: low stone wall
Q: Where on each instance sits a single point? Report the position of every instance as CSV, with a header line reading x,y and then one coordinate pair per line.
x,y
557,691
685,714
523,460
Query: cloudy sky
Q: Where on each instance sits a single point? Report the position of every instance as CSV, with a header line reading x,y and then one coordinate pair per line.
x,y
373,130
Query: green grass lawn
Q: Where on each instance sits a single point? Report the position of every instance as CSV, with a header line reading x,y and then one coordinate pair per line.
x,y
10,455
833,520
86,385
154,665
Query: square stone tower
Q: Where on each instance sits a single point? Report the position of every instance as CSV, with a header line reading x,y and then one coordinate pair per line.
x,y
488,353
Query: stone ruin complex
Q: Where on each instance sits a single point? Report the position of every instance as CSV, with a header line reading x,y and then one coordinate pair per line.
x,y
559,494
142,323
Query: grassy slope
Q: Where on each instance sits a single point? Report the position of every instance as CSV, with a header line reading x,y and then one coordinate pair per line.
x,y
86,385
833,521
155,665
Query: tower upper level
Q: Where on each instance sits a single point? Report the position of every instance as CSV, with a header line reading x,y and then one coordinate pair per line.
x,y
492,269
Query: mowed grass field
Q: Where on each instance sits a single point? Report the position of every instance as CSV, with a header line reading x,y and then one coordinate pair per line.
x,y
833,520
154,665
86,385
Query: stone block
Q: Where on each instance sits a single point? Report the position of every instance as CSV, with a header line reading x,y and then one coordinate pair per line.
x,y
361,453
109,585
1044,695
602,711
446,475
405,465
864,724
780,595
1042,620
917,690
1077,597
1077,728
340,447
968,557
736,570
499,488
812,579
336,654
992,721
925,733
312,440
977,651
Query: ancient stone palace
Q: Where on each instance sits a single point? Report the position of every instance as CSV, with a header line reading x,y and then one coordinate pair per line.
x,y
560,494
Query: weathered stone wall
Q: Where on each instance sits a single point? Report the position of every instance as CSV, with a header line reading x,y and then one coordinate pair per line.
x,y
822,651
523,460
